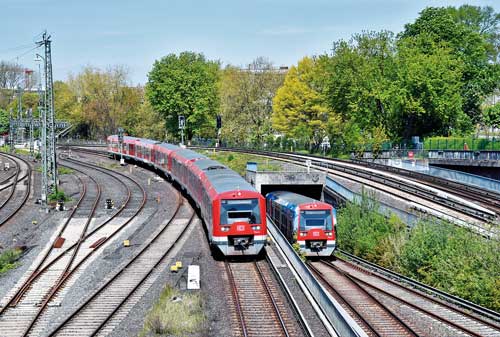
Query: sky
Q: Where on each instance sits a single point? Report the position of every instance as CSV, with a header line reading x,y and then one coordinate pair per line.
x,y
136,33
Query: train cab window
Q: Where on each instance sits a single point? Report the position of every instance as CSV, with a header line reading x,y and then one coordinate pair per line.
x,y
316,219
240,210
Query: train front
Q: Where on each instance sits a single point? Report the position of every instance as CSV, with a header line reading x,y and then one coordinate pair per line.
x,y
239,224
316,229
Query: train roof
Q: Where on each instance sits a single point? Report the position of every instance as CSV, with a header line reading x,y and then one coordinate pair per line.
x,y
292,200
225,180
168,146
190,154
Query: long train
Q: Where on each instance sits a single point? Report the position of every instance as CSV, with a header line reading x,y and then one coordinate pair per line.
x,y
305,221
233,211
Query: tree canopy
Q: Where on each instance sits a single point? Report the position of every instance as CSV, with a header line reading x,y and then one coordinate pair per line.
x,y
185,84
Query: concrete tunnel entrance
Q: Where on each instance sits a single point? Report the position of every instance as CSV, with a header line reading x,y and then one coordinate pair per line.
x,y
293,178
314,191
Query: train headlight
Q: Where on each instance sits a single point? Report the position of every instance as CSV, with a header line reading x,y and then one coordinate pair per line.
x,y
328,233
256,228
224,229
303,233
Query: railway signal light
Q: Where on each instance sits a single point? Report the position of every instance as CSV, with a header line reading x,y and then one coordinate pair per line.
x,y
219,121
182,122
109,204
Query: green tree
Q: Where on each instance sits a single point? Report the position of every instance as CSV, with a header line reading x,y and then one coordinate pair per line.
x,y
479,76
4,121
185,85
425,94
491,115
246,97
358,75
103,98
483,20
299,108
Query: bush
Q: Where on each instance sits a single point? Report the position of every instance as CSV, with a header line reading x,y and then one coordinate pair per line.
x,y
58,196
175,318
436,253
8,259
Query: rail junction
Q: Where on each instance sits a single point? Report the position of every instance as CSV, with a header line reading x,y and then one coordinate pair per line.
x,y
278,295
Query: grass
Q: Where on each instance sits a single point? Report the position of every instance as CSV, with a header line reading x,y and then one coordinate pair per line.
x,y
175,318
64,170
8,259
58,196
238,161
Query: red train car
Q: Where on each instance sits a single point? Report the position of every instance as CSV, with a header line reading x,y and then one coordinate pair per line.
x,y
233,211
301,219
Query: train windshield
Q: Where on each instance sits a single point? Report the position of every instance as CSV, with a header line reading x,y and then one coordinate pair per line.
x,y
239,210
316,219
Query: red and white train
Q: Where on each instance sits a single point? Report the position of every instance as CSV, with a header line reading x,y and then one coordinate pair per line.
x,y
308,222
233,211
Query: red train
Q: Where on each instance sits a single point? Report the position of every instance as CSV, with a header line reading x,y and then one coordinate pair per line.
x,y
233,211
308,222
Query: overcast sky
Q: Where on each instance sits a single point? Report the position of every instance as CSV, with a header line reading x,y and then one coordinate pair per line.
x,y
136,33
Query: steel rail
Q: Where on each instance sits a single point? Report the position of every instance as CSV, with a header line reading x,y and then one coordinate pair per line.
x,y
392,276
370,296
127,266
303,322
69,273
14,184
473,192
56,287
273,301
412,305
298,159
236,299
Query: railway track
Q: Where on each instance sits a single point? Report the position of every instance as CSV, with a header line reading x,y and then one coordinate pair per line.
x,y
412,312
74,245
103,310
260,310
479,219
488,198
19,189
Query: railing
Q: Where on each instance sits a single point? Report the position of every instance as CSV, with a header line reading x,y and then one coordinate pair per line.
x,y
464,155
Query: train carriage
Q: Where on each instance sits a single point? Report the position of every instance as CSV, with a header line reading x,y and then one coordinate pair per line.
x,y
304,220
233,211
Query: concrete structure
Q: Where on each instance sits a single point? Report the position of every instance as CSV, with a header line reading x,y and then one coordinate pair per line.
x,y
483,163
289,178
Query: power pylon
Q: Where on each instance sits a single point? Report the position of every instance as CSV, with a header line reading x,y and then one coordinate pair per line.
x,y
48,141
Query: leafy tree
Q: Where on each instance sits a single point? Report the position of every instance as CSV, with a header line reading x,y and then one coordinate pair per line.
x,y
483,20
246,99
103,98
479,76
4,121
65,101
358,75
185,85
491,115
299,108
425,94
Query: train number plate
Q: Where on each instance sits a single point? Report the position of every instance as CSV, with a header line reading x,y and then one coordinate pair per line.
x,y
240,228
315,234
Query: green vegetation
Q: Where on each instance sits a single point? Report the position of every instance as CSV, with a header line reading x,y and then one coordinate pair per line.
x,y
439,254
238,161
58,196
175,314
185,85
8,259
458,143
64,170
